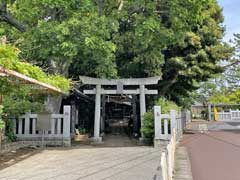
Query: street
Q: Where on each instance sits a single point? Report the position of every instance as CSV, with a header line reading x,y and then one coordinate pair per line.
x,y
214,155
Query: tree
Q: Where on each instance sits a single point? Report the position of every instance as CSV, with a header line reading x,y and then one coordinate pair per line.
x,y
65,36
178,40
196,58
224,89
232,68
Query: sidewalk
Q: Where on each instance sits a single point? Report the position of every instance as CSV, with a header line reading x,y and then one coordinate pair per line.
x,y
182,165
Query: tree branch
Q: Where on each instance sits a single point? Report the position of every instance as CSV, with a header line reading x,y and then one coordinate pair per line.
x,y
9,19
232,64
167,84
120,5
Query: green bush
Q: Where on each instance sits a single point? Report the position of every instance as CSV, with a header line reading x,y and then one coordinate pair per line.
x,y
148,125
10,130
2,124
148,118
82,131
166,105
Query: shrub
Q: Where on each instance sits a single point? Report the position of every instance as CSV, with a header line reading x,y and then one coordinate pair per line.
x,y
2,124
148,125
10,130
148,118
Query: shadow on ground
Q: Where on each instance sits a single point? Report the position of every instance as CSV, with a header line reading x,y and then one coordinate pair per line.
x,y
13,157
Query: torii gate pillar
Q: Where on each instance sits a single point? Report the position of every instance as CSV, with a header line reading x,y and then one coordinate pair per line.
x,y
97,116
142,103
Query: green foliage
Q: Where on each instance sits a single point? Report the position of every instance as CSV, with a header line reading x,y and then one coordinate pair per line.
x,y
2,124
148,118
178,40
21,100
9,131
224,88
73,41
231,97
148,125
10,60
82,130
166,105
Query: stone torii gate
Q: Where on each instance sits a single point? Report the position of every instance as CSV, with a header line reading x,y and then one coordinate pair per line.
x,y
120,83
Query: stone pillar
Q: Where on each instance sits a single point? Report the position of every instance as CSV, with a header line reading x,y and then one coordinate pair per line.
x,y
135,118
103,117
34,121
173,119
20,126
209,112
97,117
27,124
157,122
142,103
66,125
73,117
157,127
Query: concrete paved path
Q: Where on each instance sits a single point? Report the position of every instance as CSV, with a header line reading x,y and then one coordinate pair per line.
x,y
87,163
215,155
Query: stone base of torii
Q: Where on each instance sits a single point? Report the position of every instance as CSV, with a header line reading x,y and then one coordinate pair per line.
x,y
120,83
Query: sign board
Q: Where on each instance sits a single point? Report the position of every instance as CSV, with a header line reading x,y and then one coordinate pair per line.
x,y
44,122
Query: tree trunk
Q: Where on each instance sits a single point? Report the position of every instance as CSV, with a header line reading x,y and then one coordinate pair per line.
x,y
53,104
56,66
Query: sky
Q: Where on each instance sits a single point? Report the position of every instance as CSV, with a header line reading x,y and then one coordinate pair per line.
x,y
231,11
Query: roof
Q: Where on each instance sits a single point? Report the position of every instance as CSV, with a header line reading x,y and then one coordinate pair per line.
x,y
27,80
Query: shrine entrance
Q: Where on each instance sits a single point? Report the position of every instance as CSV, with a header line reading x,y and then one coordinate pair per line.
x,y
117,115
119,104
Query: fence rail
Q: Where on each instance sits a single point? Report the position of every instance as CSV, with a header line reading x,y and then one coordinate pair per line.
x,y
26,128
164,123
230,116
168,128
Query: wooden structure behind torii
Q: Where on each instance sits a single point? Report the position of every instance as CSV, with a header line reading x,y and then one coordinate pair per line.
x,y
120,83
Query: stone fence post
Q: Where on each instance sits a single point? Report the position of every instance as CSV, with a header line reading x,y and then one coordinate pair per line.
x,y
66,125
157,122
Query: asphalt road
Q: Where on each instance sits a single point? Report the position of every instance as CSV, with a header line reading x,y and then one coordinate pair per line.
x,y
214,155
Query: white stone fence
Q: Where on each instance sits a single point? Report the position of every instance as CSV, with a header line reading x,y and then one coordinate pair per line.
x,y
164,124
168,131
25,128
231,116
168,159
